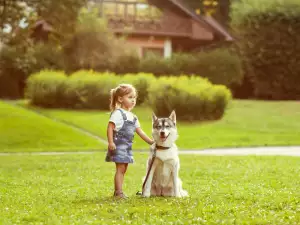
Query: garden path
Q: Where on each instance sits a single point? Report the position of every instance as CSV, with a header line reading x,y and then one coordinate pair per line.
x,y
261,151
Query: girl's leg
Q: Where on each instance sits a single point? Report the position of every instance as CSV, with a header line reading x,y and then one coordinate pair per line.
x,y
119,177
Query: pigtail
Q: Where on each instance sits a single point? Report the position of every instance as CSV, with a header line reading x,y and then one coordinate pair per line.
x,y
113,99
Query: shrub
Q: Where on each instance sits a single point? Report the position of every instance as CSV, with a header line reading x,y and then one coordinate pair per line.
x,y
193,98
18,61
156,65
15,65
91,91
83,89
268,33
142,82
125,60
46,89
220,66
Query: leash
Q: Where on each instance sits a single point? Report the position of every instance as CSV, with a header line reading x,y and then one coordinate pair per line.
x,y
151,164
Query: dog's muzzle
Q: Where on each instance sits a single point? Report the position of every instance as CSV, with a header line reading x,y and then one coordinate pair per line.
x,y
162,136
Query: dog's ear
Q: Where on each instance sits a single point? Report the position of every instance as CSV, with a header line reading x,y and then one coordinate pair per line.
x,y
154,117
173,116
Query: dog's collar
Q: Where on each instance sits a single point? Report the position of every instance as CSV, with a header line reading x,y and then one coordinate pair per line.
x,y
157,147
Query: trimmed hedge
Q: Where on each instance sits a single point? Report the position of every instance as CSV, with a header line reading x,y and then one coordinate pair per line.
x,y
193,98
142,83
81,90
46,88
220,66
269,43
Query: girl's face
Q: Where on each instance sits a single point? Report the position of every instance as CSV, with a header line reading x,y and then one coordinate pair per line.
x,y
128,101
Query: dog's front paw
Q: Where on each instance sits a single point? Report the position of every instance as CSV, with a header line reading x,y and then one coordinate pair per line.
x,y
146,194
178,195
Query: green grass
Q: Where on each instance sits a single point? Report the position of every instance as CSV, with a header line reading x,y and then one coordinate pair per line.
x,y
22,130
77,189
246,123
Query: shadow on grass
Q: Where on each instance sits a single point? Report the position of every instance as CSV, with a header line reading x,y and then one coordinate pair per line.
x,y
101,200
131,199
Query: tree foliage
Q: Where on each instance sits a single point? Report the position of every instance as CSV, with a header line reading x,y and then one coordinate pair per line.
x,y
20,54
268,33
93,46
17,14
216,8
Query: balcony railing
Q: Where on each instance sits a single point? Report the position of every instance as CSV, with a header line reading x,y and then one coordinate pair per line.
x,y
141,17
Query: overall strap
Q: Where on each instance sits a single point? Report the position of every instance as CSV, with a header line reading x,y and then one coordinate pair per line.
x,y
123,114
134,119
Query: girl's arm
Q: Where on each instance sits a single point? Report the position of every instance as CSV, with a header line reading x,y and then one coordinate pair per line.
x,y
144,136
110,129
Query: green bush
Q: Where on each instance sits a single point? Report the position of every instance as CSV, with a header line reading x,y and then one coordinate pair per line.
x,y
193,98
46,89
91,91
220,66
18,61
11,87
15,64
85,89
125,60
142,82
268,34
156,65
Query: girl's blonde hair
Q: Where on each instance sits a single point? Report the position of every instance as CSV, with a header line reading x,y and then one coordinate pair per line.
x,y
120,91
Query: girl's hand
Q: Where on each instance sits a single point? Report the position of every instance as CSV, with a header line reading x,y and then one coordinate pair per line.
x,y
111,146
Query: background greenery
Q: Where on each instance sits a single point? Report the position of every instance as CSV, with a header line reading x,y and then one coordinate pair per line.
x,y
91,90
267,33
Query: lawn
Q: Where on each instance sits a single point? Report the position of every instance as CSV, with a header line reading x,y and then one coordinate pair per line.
x,y
23,130
77,189
246,123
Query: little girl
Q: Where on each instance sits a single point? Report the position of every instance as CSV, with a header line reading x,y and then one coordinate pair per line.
x,y
120,132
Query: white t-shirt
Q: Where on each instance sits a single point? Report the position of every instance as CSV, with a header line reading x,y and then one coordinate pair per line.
x,y
117,118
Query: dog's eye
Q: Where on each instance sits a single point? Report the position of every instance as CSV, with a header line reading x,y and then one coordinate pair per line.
x,y
159,127
167,126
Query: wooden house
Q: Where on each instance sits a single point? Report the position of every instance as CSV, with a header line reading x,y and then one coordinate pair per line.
x,y
161,26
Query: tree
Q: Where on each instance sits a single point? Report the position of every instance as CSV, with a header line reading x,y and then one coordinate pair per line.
x,y
20,55
216,8
18,14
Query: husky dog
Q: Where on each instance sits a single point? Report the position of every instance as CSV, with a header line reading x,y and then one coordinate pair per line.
x,y
163,162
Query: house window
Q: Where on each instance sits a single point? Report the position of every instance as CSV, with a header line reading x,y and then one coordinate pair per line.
x,y
109,8
120,9
137,9
156,13
130,11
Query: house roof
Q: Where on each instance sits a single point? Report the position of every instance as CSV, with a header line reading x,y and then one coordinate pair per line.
x,y
207,20
44,25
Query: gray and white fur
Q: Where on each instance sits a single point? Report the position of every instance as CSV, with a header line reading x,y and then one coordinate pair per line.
x,y
163,179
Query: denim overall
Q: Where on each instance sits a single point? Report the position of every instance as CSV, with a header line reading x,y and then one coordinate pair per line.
x,y
123,141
